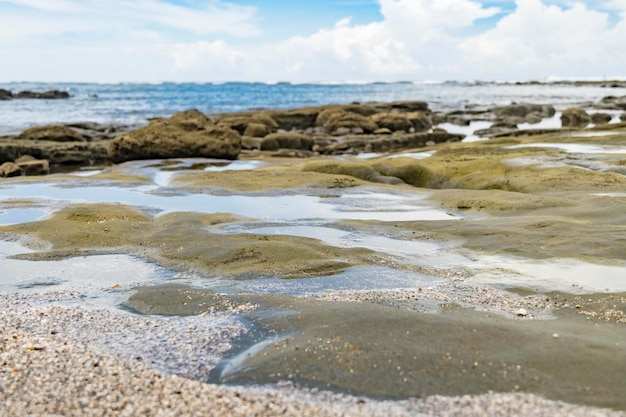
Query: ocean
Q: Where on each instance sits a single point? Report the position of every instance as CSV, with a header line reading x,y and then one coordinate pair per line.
x,y
136,103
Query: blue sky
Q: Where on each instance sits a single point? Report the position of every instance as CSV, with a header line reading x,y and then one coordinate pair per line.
x,y
310,41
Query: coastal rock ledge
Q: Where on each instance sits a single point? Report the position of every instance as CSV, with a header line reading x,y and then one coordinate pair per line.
x,y
187,134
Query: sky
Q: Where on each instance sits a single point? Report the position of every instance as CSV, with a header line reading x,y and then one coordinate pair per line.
x,y
311,40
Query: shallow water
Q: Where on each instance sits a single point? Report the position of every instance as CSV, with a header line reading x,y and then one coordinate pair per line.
x,y
564,275
96,277
358,206
10,216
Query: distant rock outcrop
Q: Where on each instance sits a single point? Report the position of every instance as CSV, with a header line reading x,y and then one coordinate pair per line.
x,y
49,95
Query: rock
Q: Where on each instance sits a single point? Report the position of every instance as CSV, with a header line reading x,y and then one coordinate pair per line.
x,y
383,131
377,143
521,312
32,166
495,131
250,143
421,121
165,138
523,109
410,106
601,118
622,117
240,122
191,120
349,120
287,140
612,103
52,94
56,133
10,169
396,122
575,117
57,153
5,94
299,119
257,130
533,118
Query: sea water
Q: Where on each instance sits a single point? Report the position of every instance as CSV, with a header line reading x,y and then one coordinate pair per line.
x,y
136,103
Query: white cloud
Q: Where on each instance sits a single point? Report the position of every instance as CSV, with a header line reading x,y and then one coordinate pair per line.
x,y
415,39
537,38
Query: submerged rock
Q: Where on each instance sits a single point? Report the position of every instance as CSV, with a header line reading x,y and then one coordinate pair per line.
x,y
51,94
5,94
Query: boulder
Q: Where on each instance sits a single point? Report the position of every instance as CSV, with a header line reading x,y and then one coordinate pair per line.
x,y
240,122
5,94
32,166
256,130
523,109
575,117
164,138
601,118
622,117
190,120
55,133
349,120
396,122
299,119
10,169
287,140
421,121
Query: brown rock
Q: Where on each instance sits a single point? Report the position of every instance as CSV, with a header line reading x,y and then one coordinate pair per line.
x,y
165,138
524,109
55,133
575,117
410,106
421,121
5,94
32,166
190,120
240,122
299,119
10,169
601,118
52,94
349,120
287,140
256,130
396,122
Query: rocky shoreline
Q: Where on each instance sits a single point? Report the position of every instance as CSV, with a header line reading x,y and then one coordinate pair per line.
x,y
514,306
325,130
